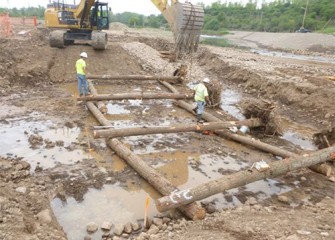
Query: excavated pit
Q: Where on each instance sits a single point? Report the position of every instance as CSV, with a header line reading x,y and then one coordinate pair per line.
x,y
81,180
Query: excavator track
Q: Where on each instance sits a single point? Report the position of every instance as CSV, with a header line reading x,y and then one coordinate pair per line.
x,y
99,40
186,21
56,39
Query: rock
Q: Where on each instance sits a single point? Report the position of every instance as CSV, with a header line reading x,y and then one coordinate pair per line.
x,y
210,208
282,198
143,236
166,220
128,227
303,232
158,222
106,226
303,179
22,190
332,179
44,217
118,229
153,230
136,226
91,227
251,201
325,234
87,237
324,227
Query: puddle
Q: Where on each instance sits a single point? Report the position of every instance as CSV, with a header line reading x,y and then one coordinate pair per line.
x,y
298,140
116,109
157,142
229,99
121,205
297,134
180,172
293,56
113,204
14,142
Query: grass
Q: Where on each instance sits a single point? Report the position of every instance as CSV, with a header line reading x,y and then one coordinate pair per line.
x,y
219,42
329,30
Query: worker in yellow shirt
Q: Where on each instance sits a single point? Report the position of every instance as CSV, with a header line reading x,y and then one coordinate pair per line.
x,y
201,97
81,75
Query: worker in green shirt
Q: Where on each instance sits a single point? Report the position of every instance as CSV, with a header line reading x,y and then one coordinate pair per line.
x,y
201,97
81,75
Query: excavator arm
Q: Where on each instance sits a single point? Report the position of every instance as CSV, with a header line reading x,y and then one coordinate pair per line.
x,y
185,20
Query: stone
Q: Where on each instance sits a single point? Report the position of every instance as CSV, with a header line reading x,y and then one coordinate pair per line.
x,y
166,219
324,227
153,230
325,234
136,226
118,229
251,201
44,217
128,227
143,236
282,198
87,237
158,222
22,190
106,226
303,232
91,227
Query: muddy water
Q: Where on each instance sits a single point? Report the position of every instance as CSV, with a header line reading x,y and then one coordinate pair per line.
x,y
113,204
14,143
183,169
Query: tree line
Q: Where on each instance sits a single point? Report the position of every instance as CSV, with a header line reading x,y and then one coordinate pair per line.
x,y
276,16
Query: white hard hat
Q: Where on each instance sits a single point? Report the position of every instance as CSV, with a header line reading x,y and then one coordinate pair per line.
x,y
206,80
83,54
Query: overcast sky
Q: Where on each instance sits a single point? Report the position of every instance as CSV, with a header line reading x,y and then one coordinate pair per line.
x,y
145,7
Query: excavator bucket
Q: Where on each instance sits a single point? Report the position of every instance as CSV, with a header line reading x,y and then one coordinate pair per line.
x,y
186,21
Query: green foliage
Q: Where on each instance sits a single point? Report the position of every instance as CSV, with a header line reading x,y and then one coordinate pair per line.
x,y
275,16
138,20
28,12
219,42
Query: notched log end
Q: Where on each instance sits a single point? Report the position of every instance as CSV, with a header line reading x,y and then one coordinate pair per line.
x,y
253,108
324,138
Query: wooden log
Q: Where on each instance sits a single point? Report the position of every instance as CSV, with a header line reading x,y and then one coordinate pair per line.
x,y
238,138
159,182
170,79
136,95
123,132
241,178
101,105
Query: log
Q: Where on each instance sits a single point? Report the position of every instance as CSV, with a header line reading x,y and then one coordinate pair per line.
x,y
136,95
238,138
241,178
159,182
174,79
101,105
123,132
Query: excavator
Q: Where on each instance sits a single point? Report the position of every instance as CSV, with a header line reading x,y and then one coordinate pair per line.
x,y
85,21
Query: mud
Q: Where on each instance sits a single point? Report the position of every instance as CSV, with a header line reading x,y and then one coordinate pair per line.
x,y
55,178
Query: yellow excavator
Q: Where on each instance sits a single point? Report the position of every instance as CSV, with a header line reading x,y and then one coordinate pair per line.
x,y
85,21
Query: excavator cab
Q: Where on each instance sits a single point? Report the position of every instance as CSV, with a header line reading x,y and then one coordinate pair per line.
x,y
70,22
99,16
